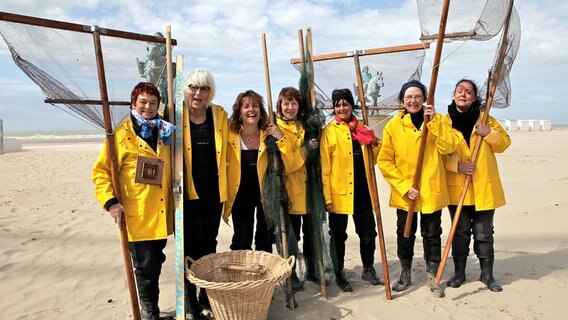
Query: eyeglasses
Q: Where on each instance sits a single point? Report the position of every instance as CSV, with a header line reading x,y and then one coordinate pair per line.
x,y
194,88
416,97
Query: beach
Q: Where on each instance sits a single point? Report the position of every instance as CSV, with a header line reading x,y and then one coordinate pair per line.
x,y
61,257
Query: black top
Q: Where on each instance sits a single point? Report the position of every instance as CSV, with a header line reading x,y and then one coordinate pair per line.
x,y
361,189
248,187
464,122
203,156
417,118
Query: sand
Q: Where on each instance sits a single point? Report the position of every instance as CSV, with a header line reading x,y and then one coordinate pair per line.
x,y
61,259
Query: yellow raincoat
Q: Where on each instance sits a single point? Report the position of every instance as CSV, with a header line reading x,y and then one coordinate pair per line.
x,y
221,126
336,152
399,154
294,158
485,191
234,168
148,207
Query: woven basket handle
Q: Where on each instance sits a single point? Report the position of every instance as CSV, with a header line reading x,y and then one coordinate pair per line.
x,y
187,261
291,261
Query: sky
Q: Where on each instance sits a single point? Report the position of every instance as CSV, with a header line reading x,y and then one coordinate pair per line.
x,y
224,38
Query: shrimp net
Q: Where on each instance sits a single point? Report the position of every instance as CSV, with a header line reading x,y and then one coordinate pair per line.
x,y
60,58
479,20
382,76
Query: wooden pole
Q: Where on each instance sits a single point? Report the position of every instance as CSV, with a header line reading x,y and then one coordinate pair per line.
x,y
490,95
311,62
114,175
318,249
374,191
11,17
365,52
288,288
170,92
170,79
430,101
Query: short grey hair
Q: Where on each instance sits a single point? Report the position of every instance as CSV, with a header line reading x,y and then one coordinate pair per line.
x,y
201,77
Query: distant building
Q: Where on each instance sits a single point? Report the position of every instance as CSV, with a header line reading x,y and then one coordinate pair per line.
x,y
526,125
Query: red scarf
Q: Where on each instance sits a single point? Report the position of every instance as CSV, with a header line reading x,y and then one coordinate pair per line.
x,y
360,133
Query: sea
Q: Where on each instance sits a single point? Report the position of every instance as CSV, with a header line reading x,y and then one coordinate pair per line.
x,y
63,136
67,136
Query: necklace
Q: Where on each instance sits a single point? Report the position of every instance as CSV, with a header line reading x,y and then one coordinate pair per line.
x,y
248,138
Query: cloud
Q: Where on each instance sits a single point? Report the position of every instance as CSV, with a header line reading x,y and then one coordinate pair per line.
x,y
224,37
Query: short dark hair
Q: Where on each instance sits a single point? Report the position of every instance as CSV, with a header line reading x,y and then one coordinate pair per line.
x,y
144,87
473,85
235,121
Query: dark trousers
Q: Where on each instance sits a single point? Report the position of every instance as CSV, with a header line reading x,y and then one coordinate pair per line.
x,y
430,229
147,259
476,223
301,223
201,222
365,228
243,216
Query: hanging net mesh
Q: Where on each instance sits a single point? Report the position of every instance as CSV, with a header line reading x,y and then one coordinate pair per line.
x,y
63,64
477,20
382,76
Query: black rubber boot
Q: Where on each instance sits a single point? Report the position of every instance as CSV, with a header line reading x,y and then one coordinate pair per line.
x,y
297,285
150,311
369,274
405,278
204,299
459,272
431,270
342,282
340,279
194,306
311,274
487,275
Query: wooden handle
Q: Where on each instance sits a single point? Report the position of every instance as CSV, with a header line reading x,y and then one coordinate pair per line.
x,y
258,269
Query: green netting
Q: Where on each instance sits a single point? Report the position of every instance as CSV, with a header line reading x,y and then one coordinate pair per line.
x,y
322,254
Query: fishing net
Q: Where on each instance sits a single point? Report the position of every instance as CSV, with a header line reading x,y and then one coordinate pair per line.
x,y
276,204
476,20
382,75
510,43
321,254
63,64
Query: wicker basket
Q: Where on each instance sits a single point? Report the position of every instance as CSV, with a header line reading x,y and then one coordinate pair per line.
x,y
239,283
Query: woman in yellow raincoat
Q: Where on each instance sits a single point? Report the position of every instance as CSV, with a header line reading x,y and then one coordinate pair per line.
x,y
247,161
290,107
145,196
484,193
346,184
205,135
397,162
